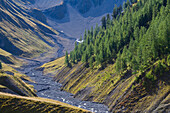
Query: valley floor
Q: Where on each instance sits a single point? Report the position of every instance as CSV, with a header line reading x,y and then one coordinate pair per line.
x,y
48,88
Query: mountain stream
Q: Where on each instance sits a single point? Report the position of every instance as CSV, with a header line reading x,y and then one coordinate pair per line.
x,y
48,88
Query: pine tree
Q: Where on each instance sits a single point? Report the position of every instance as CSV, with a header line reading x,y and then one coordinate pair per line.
x,y
134,64
104,22
85,35
85,57
108,20
81,38
115,10
66,59
91,31
118,63
124,6
73,60
128,3
133,1
143,28
164,2
108,52
91,62
101,57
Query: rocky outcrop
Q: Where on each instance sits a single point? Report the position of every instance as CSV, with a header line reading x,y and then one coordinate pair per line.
x,y
38,14
83,6
58,12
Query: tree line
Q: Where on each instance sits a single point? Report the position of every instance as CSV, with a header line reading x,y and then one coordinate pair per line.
x,y
135,36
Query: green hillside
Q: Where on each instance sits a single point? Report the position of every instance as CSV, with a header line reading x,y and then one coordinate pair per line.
x,y
17,104
125,63
11,81
20,33
8,58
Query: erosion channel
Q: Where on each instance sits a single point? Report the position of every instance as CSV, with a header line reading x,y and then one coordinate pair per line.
x,y
48,88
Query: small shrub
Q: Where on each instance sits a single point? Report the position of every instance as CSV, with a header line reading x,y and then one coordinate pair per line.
x,y
133,87
150,76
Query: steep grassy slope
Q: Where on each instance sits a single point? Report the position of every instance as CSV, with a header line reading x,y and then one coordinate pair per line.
x,y
11,82
10,79
9,58
17,104
21,34
121,92
51,67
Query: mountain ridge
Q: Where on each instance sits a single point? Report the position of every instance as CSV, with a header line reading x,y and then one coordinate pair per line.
x,y
59,16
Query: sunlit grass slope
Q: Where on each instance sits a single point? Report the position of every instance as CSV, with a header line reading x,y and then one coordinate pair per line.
x,y
17,104
127,90
11,81
8,58
51,67
20,33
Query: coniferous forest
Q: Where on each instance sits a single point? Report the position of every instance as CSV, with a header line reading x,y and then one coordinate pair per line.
x,y
134,37
120,65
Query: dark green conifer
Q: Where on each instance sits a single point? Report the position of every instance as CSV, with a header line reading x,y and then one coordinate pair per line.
x,y
104,22
66,59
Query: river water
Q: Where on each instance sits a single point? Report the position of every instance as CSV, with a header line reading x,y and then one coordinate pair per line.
x,y
46,87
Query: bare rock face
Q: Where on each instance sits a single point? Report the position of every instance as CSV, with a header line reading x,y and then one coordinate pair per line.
x,y
83,6
57,12
72,17
38,14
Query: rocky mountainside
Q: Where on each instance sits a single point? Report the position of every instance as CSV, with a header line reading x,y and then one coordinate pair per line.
x,y
29,28
21,32
125,63
72,17
31,23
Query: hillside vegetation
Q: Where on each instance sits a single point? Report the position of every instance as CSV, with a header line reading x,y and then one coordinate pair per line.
x,y
11,81
125,63
8,58
17,104
21,34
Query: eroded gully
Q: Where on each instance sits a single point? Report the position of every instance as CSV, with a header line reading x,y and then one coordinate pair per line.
x,y
48,88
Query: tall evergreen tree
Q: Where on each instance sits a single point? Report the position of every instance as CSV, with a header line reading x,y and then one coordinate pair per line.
x,y
138,35
104,22
115,10
91,62
66,59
